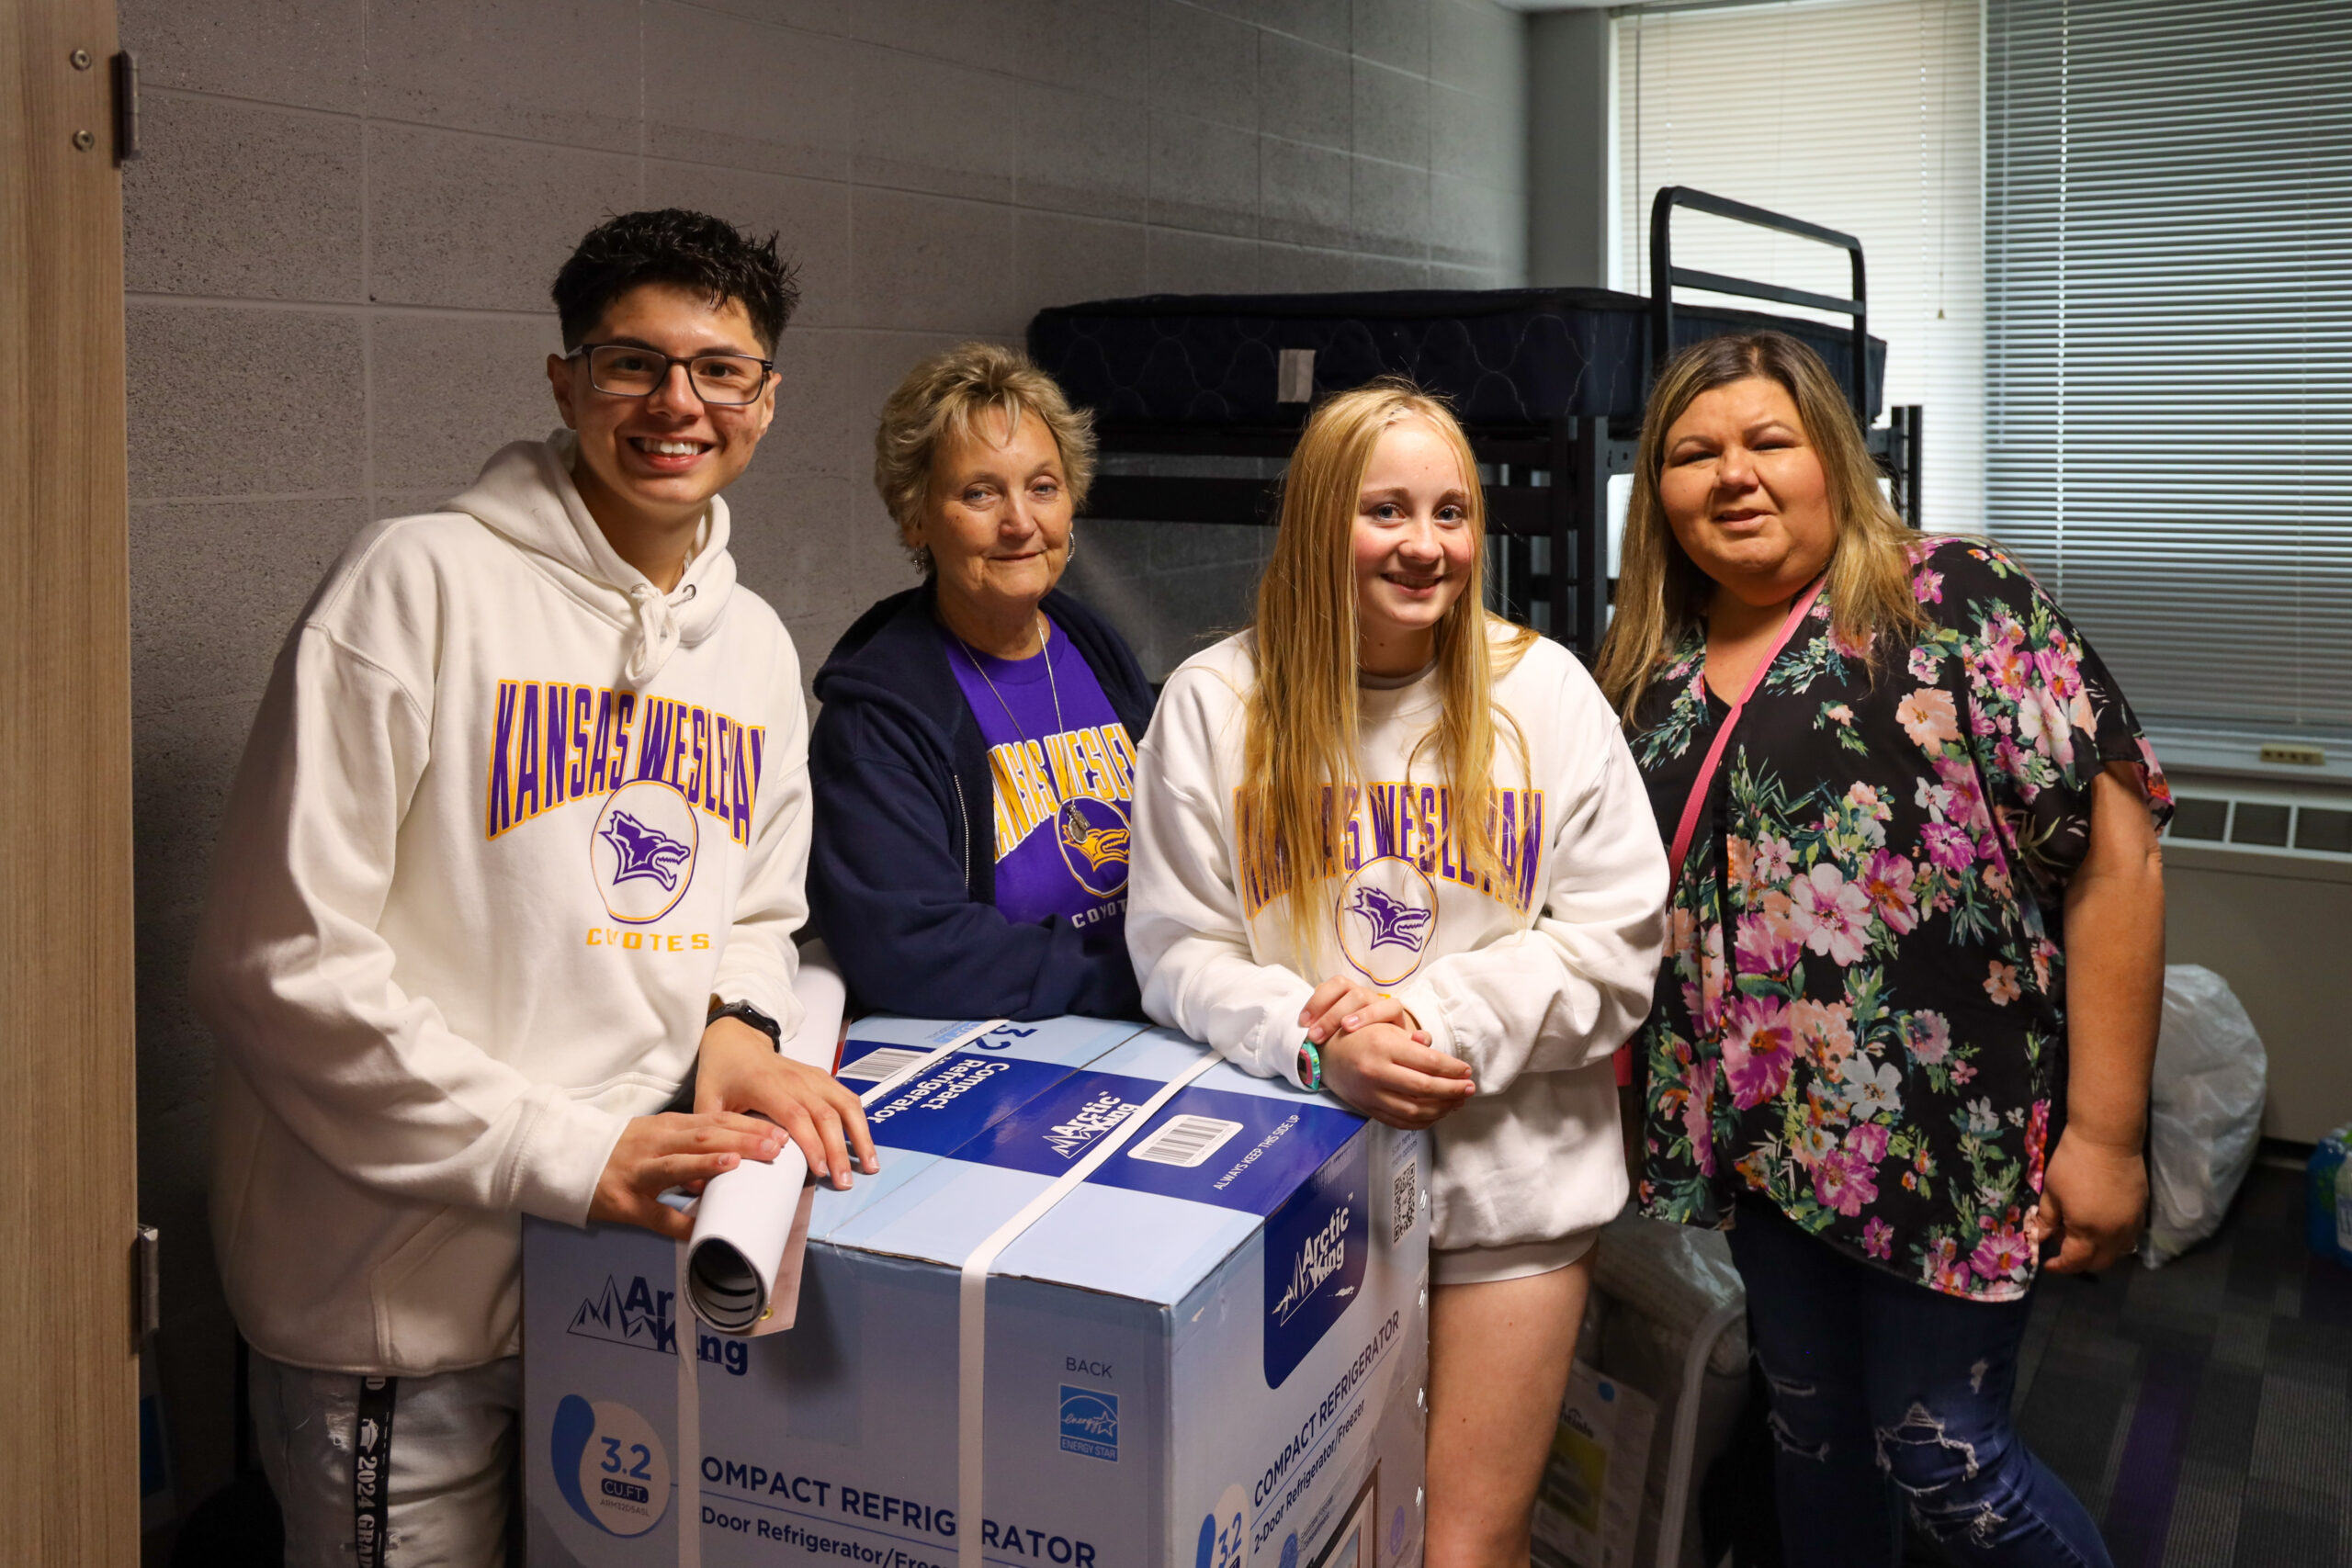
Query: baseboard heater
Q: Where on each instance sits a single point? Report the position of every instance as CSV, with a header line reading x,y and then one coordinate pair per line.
x,y
2258,887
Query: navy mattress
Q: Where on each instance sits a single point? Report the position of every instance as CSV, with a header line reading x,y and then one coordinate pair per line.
x,y
1503,356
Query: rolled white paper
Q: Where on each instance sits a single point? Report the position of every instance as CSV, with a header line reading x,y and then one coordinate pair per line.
x,y
752,1224
742,1227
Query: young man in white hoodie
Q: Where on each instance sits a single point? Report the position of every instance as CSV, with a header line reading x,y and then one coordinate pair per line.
x,y
517,850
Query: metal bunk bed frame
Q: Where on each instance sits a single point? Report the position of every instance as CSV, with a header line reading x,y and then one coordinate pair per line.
x,y
1546,485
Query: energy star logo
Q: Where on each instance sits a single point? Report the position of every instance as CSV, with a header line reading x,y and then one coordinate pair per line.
x,y
641,1316
1316,1250
1090,1422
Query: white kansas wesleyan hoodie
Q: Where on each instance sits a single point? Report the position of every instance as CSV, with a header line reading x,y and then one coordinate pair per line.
x,y
1533,980
509,818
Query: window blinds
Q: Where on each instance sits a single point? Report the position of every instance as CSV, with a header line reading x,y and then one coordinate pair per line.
x,y
1860,115
2168,289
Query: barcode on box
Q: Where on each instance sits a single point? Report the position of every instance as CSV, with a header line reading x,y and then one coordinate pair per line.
x,y
879,1065
1186,1141
1400,1213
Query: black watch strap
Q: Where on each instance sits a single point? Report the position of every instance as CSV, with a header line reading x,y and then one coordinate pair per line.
x,y
749,1014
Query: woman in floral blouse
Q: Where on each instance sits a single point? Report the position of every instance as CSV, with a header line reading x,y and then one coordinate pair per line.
x,y
1903,1033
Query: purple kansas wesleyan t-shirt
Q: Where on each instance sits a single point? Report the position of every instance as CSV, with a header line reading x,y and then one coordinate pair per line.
x,y
1062,786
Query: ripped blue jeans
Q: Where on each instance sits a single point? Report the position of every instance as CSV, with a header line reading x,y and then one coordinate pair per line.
x,y
1887,1395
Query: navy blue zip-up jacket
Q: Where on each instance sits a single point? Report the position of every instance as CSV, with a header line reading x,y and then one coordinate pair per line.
x,y
902,859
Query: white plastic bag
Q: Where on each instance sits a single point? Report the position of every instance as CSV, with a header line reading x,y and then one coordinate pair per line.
x,y
2205,1110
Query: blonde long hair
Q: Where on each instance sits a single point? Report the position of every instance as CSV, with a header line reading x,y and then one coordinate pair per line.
x,y
1661,593
1302,726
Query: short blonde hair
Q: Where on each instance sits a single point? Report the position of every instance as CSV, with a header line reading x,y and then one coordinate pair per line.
x,y
944,394
1661,593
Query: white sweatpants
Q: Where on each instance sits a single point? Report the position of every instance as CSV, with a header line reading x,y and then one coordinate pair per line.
x,y
416,1473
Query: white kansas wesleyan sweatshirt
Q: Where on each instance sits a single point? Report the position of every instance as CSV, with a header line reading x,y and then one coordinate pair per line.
x,y
1533,980
509,818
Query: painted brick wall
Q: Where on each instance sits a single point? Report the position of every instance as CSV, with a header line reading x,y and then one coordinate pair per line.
x,y
341,234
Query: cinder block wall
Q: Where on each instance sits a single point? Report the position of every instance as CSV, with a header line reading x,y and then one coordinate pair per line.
x,y
342,231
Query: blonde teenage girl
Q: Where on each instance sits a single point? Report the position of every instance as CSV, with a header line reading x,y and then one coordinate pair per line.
x,y
1388,844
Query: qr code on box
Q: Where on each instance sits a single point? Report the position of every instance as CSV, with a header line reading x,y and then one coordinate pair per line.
x,y
1400,1214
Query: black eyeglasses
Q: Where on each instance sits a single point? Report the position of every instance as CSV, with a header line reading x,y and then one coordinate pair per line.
x,y
628,370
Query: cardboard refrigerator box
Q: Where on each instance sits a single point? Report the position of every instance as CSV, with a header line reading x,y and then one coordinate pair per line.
x,y
1210,1353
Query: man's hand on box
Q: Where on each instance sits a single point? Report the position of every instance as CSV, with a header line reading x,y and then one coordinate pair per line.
x,y
741,1071
1395,1076
657,1152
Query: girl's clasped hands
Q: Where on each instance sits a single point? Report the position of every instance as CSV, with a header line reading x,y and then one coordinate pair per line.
x,y
1378,1059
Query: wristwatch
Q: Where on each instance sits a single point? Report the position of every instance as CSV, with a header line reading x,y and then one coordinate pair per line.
x,y
1310,1067
749,1014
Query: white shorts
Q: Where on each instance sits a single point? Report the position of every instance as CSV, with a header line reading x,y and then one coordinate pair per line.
x,y
389,1472
1483,1265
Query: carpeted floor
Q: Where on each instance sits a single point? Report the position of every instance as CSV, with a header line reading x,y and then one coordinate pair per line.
x,y
2203,1411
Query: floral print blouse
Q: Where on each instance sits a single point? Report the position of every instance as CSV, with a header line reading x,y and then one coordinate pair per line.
x,y
1862,1015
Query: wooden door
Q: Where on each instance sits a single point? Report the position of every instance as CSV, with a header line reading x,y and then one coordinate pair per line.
x,y
69,1490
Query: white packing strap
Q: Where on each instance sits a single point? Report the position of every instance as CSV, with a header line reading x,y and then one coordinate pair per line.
x,y
972,1301
969,1034
689,1444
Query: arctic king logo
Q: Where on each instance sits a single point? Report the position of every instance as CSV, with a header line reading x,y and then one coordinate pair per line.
x,y
1070,1137
646,1319
1322,1255
1316,1249
641,1316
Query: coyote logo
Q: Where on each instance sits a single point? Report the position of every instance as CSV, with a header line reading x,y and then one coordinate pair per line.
x,y
1097,844
644,852
1092,836
1394,922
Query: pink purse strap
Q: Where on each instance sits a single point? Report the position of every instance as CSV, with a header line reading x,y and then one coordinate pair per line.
x,y
1689,823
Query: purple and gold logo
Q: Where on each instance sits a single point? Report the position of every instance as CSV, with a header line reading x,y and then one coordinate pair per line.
x,y
1094,837
1387,914
1391,921
642,851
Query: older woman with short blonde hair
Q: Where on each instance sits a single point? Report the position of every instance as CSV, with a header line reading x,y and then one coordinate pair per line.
x,y
973,763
